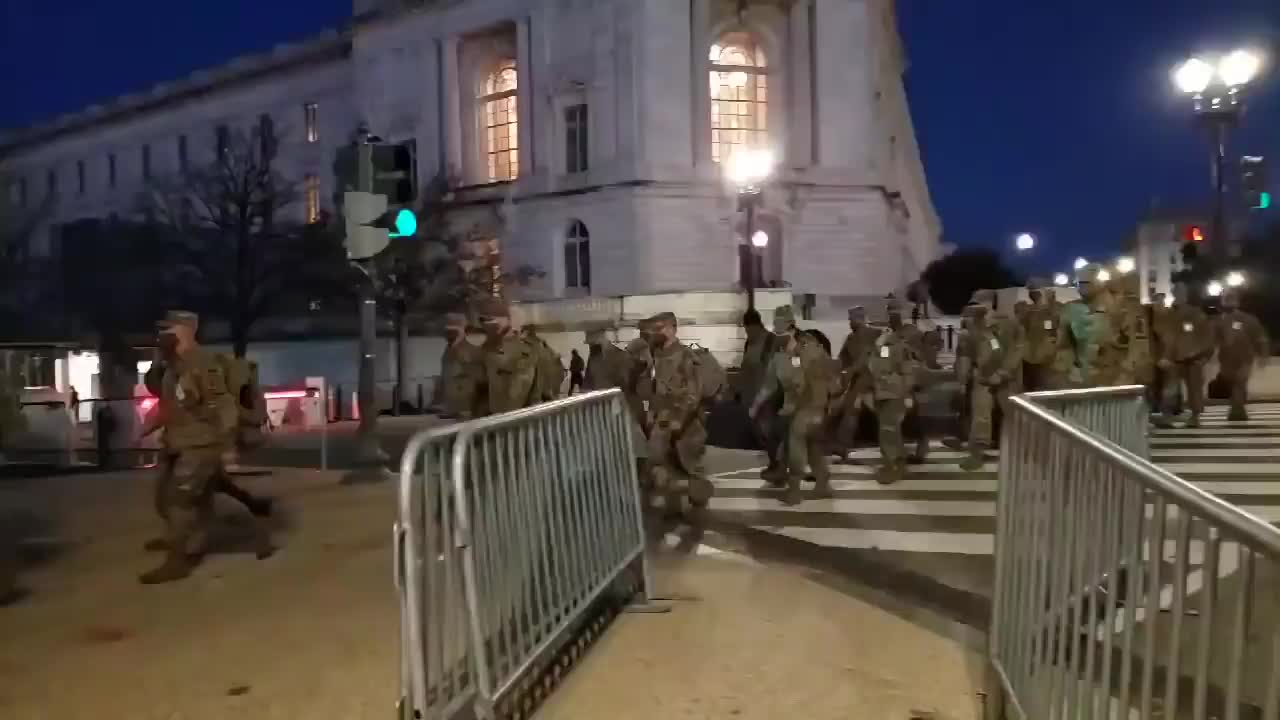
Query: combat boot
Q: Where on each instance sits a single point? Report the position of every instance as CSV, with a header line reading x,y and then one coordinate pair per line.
x,y
1237,414
822,489
792,496
775,476
975,460
176,567
889,473
1194,422
952,443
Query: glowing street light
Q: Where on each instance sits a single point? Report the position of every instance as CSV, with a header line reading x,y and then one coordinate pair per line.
x,y
1215,289
760,238
1024,242
1239,67
1103,276
1061,279
1235,279
748,169
1080,263
1193,76
1125,265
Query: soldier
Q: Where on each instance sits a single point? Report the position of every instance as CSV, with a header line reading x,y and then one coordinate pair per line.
x,y
1241,341
994,370
757,351
1090,350
607,365
856,379
932,340
461,372
893,367
1135,331
804,374
510,362
1011,333
1187,347
914,341
197,412
549,379
1041,328
673,421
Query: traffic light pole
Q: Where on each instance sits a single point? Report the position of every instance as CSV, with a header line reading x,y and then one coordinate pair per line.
x,y
1222,246
370,458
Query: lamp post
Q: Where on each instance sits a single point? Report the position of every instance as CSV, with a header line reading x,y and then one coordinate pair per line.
x,y
747,170
1216,89
1024,242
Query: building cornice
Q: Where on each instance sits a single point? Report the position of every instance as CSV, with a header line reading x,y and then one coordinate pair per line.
x,y
328,46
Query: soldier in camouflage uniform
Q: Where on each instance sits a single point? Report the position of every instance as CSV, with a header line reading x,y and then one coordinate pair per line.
x,y
1135,331
1011,333
857,387
1157,321
195,404
1040,326
510,362
804,374
1090,350
1241,342
673,421
461,372
914,340
607,365
995,367
894,367
964,375
1187,347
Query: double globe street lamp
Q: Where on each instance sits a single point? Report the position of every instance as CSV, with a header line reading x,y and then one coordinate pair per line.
x,y
748,169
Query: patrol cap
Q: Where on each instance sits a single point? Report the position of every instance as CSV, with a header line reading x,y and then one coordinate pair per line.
x,y
595,336
662,317
493,308
857,311
175,318
784,318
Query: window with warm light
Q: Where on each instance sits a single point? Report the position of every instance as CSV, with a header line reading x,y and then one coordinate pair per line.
x,y
739,95
577,257
309,112
500,117
312,188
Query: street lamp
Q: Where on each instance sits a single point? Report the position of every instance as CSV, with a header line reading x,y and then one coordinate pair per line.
x,y
1235,279
748,169
1024,242
1215,288
1080,263
1061,279
1125,265
1216,89
1103,276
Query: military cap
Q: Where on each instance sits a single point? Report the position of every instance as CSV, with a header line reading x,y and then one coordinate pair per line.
x,y
493,308
174,318
662,317
595,336
784,318
856,310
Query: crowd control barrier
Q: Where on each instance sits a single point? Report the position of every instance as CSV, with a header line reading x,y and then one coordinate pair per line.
x,y
515,534
1123,591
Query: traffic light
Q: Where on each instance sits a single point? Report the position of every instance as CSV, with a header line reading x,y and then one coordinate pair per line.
x,y
394,172
363,212
1194,234
1253,182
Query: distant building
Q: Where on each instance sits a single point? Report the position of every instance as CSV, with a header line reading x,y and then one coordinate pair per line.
x,y
586,136
1158,249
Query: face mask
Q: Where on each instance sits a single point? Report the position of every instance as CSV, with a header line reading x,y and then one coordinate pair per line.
x,y
168,344
452,334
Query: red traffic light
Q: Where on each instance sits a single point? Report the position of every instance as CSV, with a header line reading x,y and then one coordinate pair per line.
x,y
1195,234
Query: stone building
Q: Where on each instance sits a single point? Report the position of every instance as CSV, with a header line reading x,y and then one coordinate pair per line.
x,y
587,136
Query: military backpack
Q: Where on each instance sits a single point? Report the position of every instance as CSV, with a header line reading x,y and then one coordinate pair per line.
x,y
711,374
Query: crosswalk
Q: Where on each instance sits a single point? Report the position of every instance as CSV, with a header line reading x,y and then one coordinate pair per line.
x,y
939,509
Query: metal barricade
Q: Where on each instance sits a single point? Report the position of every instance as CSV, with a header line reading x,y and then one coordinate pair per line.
x,y
513,532
1122,590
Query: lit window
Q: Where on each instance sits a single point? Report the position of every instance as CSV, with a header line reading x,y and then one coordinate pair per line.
x,y
577,257
576,139
309,119
313,198
739,95
80,176
501,123
146,162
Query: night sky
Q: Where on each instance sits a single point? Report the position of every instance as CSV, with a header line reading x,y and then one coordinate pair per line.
x,y
1056,117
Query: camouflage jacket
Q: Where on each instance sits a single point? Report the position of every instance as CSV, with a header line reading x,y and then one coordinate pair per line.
x,y
894,366
510,372
1240,339
462,373
194,394
1188,335
674,393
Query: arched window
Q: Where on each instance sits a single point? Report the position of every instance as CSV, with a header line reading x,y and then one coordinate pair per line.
x,y
498,113
739,95
577,257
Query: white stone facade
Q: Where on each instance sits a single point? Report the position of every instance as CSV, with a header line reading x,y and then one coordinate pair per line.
x,y
847,211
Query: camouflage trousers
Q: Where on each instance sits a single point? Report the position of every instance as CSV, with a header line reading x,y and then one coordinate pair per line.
x,y
184,497
805,447
1191,374
857,398
984,403
892,414
675,463
1237,379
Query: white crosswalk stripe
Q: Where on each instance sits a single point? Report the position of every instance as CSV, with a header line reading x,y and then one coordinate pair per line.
x,y
940,509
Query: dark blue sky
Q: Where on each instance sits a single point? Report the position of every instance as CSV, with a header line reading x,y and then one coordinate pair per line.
x,y
1054,116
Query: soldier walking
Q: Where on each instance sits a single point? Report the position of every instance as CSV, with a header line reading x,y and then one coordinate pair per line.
x,y
1241,341
674,424
1135,330
607,365
1041,328
1090,351
804,374
510,362
893,368
461,372
1187,348
994,369
858,393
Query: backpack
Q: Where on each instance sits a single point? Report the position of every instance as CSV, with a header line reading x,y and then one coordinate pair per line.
x,y
245,415
711,375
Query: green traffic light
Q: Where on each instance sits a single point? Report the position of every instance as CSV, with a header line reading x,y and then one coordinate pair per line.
x,y
1264,201
406,224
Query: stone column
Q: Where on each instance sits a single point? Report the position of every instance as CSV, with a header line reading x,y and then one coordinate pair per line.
x,y
525,95
450,110
800,108
700,48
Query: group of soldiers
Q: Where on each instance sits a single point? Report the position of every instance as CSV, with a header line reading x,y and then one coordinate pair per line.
x,y
1108,337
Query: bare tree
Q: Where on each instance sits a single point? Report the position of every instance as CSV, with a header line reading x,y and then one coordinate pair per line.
x,y
239,247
